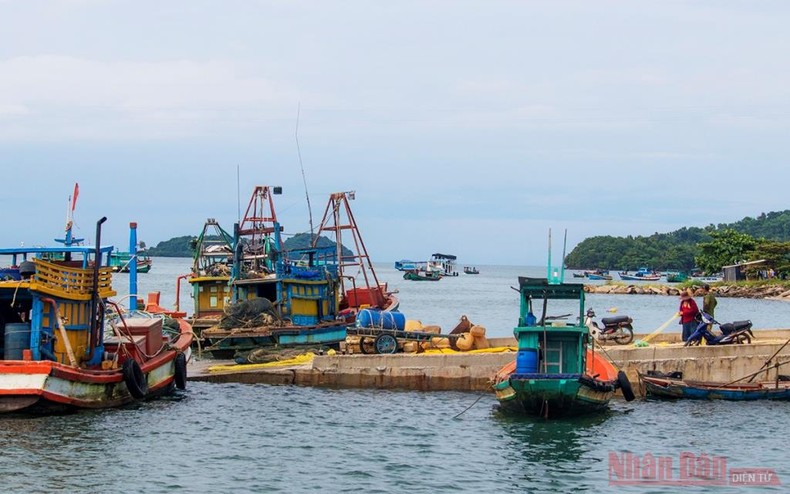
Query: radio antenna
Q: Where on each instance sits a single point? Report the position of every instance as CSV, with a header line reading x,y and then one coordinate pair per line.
x,y
299,153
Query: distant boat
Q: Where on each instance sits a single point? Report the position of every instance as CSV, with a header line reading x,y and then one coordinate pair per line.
x,y
676,277
593,276
707,279
642,274
472,270
422,275
121,261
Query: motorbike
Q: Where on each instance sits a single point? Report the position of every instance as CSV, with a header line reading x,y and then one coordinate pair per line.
x,y
617,328
731,332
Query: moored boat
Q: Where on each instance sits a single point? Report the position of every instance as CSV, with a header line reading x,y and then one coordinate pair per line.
x,y
555,373
642,274
674,387
416,275
121,262
471,270
56,354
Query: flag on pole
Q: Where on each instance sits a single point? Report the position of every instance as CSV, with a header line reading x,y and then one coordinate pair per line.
x,y
76,193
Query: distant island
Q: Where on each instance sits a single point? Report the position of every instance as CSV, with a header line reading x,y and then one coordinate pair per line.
x,y
180,246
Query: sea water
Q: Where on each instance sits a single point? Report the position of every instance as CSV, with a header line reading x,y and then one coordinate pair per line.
x,y
262,438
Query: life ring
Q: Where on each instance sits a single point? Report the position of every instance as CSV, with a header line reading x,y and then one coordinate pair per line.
x,y
135,379
625,386
180,373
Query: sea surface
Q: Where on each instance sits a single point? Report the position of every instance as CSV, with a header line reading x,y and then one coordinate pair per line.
x,y
262,438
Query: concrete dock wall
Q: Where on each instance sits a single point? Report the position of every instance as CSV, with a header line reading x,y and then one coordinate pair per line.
x,y
473,371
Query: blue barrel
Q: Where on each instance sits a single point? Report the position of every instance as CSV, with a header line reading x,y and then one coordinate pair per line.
x,y
17,338
527,361
371,318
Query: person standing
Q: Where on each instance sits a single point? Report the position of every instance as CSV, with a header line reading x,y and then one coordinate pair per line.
x,y
708,301
688,312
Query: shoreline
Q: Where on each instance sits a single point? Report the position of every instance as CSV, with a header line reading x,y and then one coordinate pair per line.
x,y
768,292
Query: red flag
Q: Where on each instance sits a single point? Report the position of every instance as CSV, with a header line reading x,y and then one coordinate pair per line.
x,y
76,193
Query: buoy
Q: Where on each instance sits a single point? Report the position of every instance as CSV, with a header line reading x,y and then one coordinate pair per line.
x,y
611,309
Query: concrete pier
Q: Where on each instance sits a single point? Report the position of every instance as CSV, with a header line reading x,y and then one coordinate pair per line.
x,y
473,371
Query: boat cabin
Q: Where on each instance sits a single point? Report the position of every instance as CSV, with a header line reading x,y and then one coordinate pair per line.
x,y
548,345
47,303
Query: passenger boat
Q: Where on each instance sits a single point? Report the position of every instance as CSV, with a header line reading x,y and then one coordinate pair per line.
x,y
471,270
444,263
120,262
674,387
258,294
556,372
64,346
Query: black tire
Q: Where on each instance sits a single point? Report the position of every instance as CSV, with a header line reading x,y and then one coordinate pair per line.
x,y
362,348
180,373
134,378
385,344
625,386
626,336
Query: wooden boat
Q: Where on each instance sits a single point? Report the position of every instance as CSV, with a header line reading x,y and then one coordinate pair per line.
x,y
55,352
555,373
471,270
120,262
676,277
593,276
642,274
674,388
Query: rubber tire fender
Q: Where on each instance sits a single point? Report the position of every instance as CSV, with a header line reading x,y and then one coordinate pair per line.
x,y
625,386
134,378
180,372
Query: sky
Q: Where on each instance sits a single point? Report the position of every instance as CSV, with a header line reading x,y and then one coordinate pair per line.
x,y
464,127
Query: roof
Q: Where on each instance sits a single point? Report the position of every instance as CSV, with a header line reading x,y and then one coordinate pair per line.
x,y
750,263
444,256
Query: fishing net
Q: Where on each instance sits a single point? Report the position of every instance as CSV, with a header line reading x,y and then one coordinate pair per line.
x,y
252,313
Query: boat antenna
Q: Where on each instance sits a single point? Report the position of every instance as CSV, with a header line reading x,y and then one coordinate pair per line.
x,y
562,263
548,266
238,195
299,153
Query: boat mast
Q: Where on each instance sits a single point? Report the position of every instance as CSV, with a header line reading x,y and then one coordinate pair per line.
x,y
338,217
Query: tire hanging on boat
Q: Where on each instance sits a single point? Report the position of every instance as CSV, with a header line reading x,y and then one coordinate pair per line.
x,y
180,373
625,386
134,378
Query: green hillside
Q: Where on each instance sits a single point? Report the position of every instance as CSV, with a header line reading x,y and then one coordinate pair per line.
x,y
179,246
687,248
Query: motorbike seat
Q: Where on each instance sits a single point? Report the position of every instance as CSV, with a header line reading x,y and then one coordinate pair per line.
x,y
731,327
610,321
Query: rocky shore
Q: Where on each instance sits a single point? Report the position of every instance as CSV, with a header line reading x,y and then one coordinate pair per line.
x,y
780,292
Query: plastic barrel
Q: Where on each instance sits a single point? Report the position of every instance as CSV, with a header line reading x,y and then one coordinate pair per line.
x,y
369,318
17,338
527,361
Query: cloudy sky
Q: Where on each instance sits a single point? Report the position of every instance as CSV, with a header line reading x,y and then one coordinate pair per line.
x,y
466,127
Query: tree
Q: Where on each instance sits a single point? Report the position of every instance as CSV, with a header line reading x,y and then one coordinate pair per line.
x,y
726,247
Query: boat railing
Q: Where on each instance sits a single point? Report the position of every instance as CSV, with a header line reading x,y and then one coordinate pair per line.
x,y
70,282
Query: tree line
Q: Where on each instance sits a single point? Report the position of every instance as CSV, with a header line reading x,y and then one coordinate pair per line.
x,y
693,248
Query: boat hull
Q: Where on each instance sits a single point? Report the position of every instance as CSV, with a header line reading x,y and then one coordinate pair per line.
x,y
662,388
552,397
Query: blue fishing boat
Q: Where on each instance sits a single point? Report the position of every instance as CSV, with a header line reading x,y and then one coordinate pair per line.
x,y
677,388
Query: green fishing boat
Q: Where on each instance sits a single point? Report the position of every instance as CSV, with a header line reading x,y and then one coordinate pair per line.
x,y
556,372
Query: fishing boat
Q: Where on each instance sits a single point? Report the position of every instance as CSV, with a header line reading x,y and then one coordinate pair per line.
x,y
264,295
555,373
642,274
674,387
599,277
120,262
676,277
67,345
416,275
471,270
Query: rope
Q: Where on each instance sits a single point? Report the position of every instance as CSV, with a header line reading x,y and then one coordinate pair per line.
x,y
469,407
660,329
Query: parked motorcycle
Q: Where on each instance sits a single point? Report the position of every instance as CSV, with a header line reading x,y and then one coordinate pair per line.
x,y
731,332
617,328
